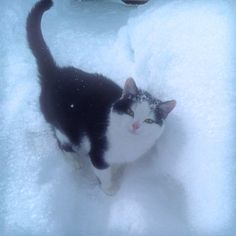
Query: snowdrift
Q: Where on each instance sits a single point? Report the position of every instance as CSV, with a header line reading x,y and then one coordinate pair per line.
x,y
175,49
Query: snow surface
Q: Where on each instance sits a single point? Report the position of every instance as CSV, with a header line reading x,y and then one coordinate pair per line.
x,y
179,50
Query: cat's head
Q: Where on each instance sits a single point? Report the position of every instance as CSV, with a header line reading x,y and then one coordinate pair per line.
x,y
139,113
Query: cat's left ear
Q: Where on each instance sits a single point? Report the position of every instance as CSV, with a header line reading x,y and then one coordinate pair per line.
x,y
166,107
130,88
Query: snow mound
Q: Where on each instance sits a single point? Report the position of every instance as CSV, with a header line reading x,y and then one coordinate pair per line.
x,y
177,50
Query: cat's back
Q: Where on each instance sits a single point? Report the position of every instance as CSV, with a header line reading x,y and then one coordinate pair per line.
x,y
85,87
75,93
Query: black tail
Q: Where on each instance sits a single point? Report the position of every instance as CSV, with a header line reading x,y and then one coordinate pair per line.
x,y
45,61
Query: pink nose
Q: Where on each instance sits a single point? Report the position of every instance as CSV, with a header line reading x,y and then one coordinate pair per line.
x,y
136,125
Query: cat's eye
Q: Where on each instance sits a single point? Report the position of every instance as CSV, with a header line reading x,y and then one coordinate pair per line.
x,y
130,112
149,121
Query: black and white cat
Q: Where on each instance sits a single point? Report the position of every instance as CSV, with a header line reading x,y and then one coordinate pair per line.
x,y
120,124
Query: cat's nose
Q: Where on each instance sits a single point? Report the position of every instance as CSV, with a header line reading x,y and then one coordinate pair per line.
x,y
136,125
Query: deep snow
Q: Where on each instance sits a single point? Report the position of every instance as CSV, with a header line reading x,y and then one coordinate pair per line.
x,y
178,50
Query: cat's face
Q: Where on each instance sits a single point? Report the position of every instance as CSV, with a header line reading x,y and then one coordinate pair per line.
x,y
138,121
138,113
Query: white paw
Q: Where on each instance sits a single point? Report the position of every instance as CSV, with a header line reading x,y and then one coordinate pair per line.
x,y
109,190
73,158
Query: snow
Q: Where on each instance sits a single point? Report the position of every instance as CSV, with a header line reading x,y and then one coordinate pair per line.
x,y
180,50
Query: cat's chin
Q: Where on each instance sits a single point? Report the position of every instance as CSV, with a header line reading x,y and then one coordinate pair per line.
x,y
134,132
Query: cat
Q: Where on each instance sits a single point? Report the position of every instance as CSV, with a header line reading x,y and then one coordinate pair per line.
x,y
120,124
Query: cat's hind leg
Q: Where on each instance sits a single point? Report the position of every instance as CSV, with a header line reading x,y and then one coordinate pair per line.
x,y
67,148
70,155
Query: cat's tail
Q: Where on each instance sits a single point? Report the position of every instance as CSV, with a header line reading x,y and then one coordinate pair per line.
x,y
45,61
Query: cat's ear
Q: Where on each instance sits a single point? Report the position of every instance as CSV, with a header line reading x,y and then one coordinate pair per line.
x,y
166,107
130,88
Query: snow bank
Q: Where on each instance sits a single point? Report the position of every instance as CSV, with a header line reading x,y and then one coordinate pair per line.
x,y
183,187
184,51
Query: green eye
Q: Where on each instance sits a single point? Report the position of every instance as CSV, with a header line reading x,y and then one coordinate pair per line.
x,y
149,121
130,112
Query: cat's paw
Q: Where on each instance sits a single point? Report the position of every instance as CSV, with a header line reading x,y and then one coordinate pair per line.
x,y
109,190
73,158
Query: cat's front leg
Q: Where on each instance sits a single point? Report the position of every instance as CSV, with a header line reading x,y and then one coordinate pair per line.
x,y
102,170
73,158
106,181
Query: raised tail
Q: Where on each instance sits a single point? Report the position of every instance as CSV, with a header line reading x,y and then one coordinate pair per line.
x,y
45,61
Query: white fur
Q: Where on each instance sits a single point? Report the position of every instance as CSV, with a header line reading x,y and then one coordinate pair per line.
x,y
61,137
125,146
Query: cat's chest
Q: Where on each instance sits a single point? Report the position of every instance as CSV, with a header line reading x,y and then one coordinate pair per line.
x,y
124,147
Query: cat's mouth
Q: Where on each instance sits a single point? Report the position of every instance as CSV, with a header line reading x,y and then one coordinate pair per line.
x,y
134,131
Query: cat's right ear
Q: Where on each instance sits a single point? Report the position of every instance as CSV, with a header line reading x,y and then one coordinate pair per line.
x,y
130,88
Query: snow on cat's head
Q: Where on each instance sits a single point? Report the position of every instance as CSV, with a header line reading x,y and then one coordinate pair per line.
x,y
139,115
